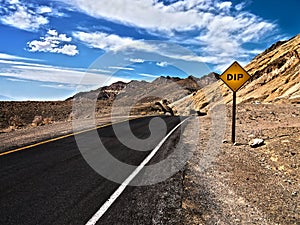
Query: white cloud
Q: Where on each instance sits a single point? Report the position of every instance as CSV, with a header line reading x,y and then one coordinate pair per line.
x,y
54,43
52,32
162,64
44,9
12,2
198,5
146,14
10,62
154,15
116,43
23,18
44,73
110,42
226,36
256,51
36,66
59,86
240,6
99,71
224,5
121,68
148,75
17,80
137,60
68,50
13,57
220,28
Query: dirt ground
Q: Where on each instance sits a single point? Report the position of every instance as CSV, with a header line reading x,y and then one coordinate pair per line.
x,y
236,184
245,185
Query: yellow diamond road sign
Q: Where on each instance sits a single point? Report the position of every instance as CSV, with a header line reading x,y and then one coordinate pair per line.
x,y
235,76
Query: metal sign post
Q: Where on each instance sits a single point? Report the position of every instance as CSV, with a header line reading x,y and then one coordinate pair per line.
x,y
233,117
234,77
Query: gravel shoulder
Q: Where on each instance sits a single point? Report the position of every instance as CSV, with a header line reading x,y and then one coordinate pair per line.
x,y
245,185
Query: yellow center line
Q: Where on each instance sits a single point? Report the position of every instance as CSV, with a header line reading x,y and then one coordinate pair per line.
x,y
61,137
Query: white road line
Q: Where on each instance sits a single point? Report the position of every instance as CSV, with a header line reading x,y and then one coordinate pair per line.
x,y
122,187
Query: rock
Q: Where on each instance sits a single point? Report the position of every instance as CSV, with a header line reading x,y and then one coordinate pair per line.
x,y
37,121
225,141
272,113
201,113
237,144
48,120
164,107
274,159
281,168
203,105
256,143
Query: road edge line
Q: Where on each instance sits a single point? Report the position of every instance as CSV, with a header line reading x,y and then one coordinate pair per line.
x,y
95,218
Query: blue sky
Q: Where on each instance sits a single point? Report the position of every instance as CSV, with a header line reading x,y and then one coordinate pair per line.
x,y
50,50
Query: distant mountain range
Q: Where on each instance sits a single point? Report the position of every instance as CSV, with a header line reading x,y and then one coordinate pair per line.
x,y
187,86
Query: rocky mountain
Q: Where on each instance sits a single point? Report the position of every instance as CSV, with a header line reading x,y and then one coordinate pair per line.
x,y
275,73
140,97
275,78
207,79
103,93
172,88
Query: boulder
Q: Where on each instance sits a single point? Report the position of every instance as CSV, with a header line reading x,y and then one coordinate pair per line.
x,y
37,121
256,143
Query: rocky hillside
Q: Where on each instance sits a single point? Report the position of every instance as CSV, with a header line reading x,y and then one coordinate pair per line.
x,y
20,114
172,88
275,78
103,93
142,95
275,73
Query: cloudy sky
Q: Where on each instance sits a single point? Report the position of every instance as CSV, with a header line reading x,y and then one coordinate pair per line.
x,y
51,49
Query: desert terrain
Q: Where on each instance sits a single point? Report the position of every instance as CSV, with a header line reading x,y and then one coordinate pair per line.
x,y
241,184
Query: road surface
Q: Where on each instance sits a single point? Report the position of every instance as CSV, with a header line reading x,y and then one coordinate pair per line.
x,y
52,184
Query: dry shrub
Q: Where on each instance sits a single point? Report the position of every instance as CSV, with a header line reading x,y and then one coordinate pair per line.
x,y
48,120
15,122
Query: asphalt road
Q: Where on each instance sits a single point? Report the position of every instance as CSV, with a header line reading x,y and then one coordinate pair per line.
x,y
52,183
